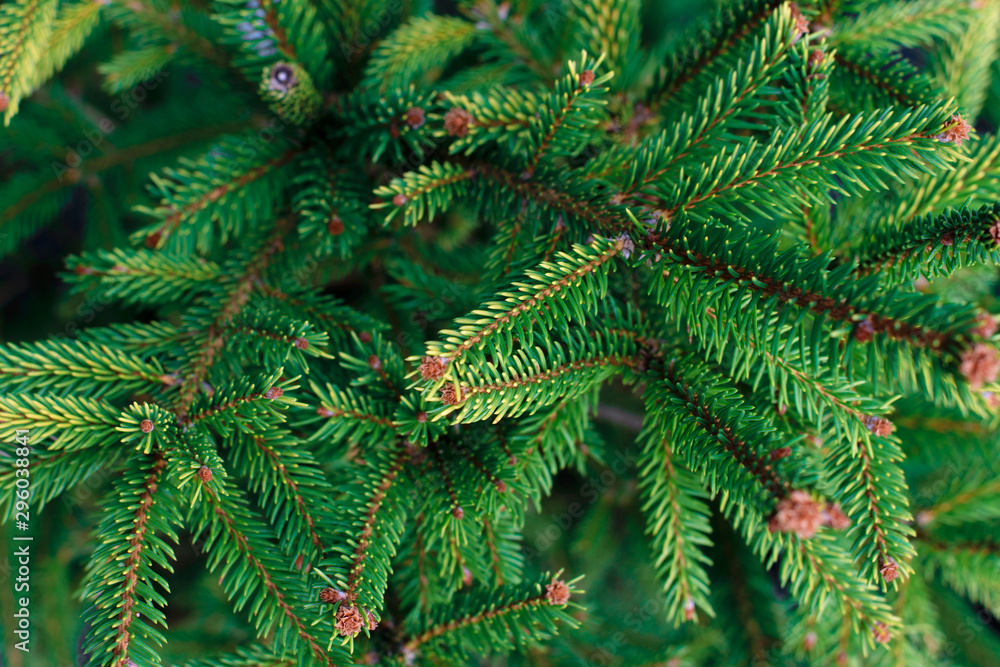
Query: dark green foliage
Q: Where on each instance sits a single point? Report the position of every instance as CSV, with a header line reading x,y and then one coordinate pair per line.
x,y
384,312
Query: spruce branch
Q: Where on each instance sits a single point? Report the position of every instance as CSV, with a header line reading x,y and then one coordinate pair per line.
x,y
764,282
258,576
72,26
500,117
481,623
417,47
142,276
544,297
291,486
367,529
872,491
709,49
347,415
67,366
885,77
862,148
677,523
728,105
907,24
25,27
932,245
121,581
71,422
233,176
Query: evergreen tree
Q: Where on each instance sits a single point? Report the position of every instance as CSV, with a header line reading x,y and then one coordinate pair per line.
x,y
536,329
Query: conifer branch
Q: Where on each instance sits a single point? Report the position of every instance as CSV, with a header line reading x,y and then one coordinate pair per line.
x,y
66,366
120,575
290,480
678,527
188,196
731,26
524,607
894,80
25,26
74,423
867,142
257,576
369,531
582,273
145,14
933,245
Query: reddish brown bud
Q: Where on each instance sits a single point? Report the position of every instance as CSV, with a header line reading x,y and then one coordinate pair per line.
x,y
864,330
979,365
399,199
457,512
324,412
780,453
432,368
889,570
365,337
557,592
153,240
457,121
335,226
689,609
956,132
205,474
987,325
948,238
4,102
995,231
501,486
880,426
801,24
421,417
448,394
810,640
467,576
331,595
835,518
881,633
394,130
146,426
349,621
274,392
798,513
415,117
301,343
374,363
586,78
82,270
